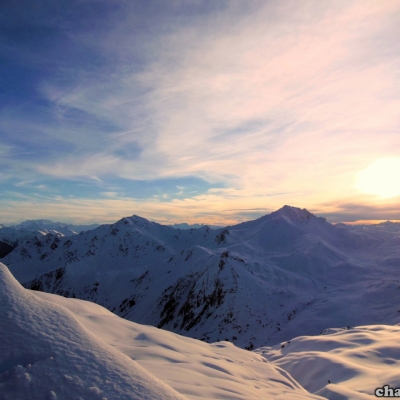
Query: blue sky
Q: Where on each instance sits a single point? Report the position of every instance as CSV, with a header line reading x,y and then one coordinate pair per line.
x,y
199,111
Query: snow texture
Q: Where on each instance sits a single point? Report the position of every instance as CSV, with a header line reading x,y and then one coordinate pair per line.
x,y
347,363
47,354
196,369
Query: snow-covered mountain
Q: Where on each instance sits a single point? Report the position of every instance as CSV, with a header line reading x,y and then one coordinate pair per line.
x,y
387,226
184,225
257,283
59,348
47,226
13,235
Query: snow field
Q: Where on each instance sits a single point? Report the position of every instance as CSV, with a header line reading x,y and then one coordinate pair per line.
x,y
342,363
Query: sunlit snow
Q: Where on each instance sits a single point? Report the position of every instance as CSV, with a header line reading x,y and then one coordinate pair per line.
x,y
317,304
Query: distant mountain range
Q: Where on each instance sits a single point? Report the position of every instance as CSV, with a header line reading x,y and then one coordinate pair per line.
x,y
184,225
16,234
257,283
47,226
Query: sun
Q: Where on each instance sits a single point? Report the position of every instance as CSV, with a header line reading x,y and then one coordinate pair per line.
x,y
381,178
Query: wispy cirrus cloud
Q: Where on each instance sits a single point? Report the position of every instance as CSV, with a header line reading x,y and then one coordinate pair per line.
x,y
271,97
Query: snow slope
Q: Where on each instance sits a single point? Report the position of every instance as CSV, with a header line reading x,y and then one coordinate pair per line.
x,y
258,283
348,363
61,348
46,353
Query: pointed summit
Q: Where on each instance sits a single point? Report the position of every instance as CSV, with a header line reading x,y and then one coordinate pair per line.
x,y
295,214
135,220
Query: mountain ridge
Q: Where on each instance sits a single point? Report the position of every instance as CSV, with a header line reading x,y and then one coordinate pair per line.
x,y
48,226
253,283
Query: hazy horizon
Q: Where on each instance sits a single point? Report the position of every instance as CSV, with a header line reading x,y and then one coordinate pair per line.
x,y
171,223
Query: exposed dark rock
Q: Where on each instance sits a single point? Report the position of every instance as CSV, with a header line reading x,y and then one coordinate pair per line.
x,y
222,236
5,249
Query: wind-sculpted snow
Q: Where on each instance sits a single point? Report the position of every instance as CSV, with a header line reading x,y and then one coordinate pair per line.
x,y
45,353
347,363
257,283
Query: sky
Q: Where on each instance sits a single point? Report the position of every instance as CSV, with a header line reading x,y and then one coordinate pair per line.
x,y
199,111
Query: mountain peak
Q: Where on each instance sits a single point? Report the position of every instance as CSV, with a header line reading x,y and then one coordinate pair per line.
x,y
294,213
135,220
30,222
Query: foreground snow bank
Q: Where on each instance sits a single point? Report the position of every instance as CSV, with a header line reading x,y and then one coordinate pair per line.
x,y
45,353
195,369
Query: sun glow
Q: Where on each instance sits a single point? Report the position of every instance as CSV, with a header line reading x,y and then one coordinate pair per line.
x,y
381,178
